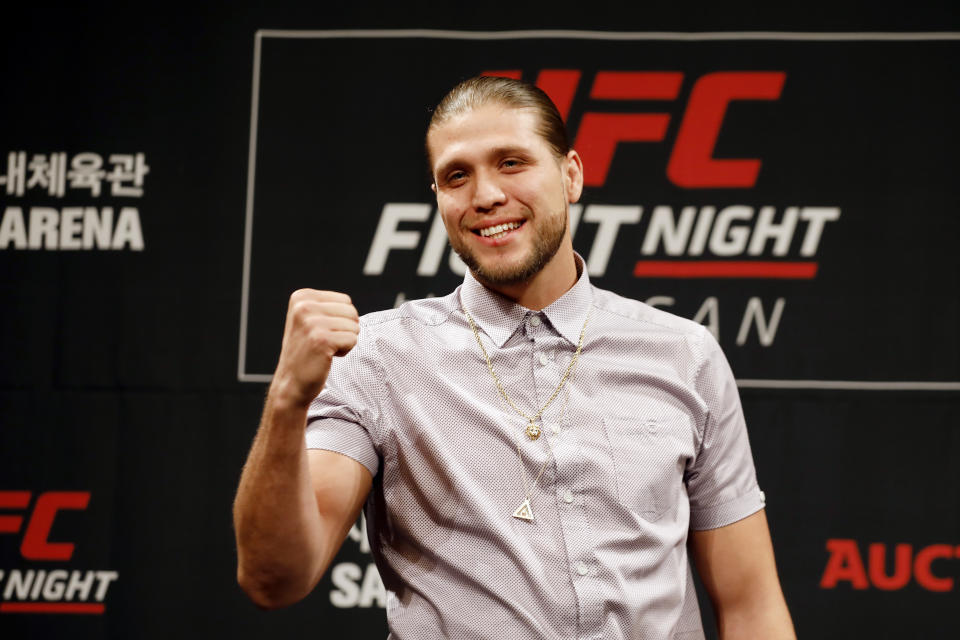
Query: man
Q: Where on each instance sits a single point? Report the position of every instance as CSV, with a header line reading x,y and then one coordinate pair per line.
x,y
535,454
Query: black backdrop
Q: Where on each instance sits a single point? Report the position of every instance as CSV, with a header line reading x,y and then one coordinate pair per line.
x,y
134,346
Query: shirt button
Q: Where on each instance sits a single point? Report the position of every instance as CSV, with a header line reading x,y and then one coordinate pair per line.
x,y
543,359
582,569
568,496
763,497
534,321
555,428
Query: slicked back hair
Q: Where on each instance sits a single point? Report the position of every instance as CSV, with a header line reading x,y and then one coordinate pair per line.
x,y
480,91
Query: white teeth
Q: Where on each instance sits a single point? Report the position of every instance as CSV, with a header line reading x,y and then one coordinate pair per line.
x,y
498,229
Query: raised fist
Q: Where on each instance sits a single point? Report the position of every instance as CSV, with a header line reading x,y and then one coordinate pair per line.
x,y
319,326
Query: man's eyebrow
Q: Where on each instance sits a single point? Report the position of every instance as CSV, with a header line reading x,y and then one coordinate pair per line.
x,y
448,166
510,150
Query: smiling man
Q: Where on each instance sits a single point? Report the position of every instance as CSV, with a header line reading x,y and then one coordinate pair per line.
x,y
537,457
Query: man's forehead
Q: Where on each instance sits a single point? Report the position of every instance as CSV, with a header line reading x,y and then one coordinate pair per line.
x,y
484,128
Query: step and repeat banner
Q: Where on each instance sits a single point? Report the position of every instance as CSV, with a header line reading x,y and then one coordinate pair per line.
x,y
795,192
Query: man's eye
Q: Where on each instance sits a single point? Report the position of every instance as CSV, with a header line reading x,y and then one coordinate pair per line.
x,y
456,176
512,163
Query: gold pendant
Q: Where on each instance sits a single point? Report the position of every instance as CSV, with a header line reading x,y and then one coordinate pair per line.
x,y
524,511
533,431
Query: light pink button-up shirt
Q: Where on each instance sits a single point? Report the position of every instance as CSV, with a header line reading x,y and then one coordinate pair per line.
x,y
646,441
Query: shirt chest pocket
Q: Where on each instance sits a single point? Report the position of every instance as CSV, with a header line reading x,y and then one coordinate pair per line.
x,y
650,455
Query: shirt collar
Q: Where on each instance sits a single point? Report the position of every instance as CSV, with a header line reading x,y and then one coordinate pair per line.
x,y
500,317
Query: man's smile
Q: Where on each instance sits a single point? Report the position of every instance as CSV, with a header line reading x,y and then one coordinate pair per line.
x,y
498,231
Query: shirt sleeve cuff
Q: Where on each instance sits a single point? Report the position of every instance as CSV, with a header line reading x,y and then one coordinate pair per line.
x,y
729,512
343,437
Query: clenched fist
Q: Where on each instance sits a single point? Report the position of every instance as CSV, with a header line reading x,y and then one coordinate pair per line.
x,y
319,326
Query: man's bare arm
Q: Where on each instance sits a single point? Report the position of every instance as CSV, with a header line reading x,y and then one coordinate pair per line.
x,y
737,567
294,508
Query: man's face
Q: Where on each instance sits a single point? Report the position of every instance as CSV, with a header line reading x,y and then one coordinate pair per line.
x,y
503,194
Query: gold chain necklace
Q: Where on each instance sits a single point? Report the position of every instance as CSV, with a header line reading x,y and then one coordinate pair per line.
x,y
524,511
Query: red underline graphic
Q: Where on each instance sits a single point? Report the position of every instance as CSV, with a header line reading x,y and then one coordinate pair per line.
x,y
51,607
724,269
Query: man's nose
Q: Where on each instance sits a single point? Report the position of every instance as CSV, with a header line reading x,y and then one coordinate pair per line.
x,y
487,193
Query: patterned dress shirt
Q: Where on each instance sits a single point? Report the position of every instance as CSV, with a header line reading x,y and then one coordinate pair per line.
x,y
645,441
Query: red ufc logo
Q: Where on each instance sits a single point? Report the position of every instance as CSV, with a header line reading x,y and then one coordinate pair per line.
x,y
691,163
35,544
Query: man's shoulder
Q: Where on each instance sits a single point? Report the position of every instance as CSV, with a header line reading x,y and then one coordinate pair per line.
x,y
645,316
423,311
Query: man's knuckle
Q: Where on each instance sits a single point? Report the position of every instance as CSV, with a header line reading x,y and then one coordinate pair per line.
x,y
299,294
300,311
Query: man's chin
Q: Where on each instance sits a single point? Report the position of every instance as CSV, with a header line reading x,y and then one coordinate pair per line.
x,y
499,274
501,278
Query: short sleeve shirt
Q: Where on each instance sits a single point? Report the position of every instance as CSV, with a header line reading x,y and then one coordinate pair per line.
x,y
645,440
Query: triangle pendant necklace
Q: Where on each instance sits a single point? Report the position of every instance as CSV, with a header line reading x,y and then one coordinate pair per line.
x,y
524,511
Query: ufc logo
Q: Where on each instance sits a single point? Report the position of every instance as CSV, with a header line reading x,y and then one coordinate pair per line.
x,y
35,544
691,164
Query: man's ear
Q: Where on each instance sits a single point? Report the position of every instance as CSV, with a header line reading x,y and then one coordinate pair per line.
x,y
433,187
573,175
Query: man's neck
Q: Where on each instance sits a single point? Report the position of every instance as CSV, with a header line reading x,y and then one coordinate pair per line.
x,y
543,289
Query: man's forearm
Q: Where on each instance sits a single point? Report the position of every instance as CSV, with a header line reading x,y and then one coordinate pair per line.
x,y
279,546
768,619
737,567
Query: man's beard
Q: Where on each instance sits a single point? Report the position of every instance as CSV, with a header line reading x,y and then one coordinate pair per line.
x,y
546,243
